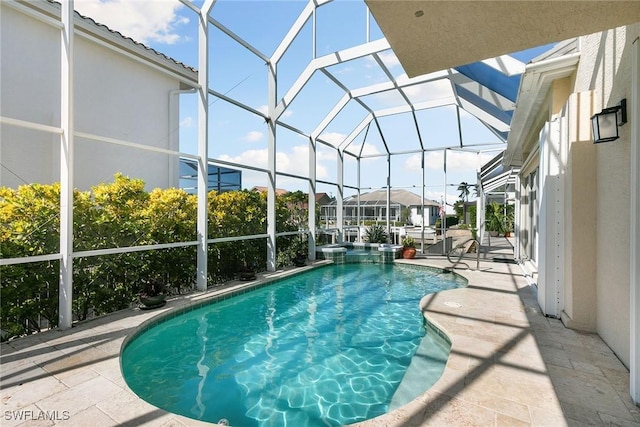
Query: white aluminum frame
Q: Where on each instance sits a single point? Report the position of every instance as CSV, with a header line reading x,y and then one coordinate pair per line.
x,y
274,117
634,252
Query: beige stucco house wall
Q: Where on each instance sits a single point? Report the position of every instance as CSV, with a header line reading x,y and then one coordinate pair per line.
x,y
606,70
576,195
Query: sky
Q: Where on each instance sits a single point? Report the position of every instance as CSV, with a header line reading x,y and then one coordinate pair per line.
x,y
239,136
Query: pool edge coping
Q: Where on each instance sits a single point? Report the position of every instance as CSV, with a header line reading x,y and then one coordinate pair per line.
x,y
243,287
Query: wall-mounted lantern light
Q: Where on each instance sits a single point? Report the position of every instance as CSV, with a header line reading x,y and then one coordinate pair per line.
x,y
605,124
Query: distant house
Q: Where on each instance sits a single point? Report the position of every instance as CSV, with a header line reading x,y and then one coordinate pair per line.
x,y
323,199
404,206
279,191
123,91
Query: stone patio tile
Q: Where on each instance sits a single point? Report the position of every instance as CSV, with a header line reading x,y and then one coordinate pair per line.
x,y
30,392
40,353
80,397
459,362
593,342
544,340
504,354
6,348
578,388
532,363
581,413
518,389
92,416
608,360
81,356
27,342
616,421
586,367
619,380
523,374
176,421
37,423
547,418
507,421
127,408
73,377
110,369
441,410
111,346
502,406
473,347
23,373
555,356
451,383
27,416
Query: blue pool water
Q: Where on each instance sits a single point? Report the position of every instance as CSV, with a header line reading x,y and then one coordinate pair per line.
x,y
327,347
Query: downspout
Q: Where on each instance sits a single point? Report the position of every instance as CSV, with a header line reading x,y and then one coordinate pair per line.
x,y
443,220
65,298
358,205
388,216
634,277
311,211
423,207
340,210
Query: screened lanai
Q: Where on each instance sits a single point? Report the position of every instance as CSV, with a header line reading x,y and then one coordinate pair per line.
x,y
349,108
304,96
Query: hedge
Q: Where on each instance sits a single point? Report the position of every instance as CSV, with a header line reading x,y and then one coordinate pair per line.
x,y
122,214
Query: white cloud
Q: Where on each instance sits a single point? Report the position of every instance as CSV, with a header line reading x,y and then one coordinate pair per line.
x,y
389,58
456,160
144,21
429,91
257,158
254,136
187,122
265,110
343,70
294,161
438,196
333,138
413,162
287,113
368,150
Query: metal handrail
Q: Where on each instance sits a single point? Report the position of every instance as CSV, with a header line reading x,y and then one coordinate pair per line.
x,y
461,245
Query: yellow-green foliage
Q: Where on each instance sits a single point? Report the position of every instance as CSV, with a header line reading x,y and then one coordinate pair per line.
x,y
122,214
29,224
236,213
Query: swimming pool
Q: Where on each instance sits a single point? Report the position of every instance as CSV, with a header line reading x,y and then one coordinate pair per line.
x,y
326,347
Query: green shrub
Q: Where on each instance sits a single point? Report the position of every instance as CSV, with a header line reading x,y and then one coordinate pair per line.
x,y
120,214
408,242
451,221
376,234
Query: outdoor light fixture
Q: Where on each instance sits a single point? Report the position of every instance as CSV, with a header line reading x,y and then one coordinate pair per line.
x,y
605,123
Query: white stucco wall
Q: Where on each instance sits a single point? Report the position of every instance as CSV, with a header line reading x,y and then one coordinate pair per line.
x,y
115,97
605,68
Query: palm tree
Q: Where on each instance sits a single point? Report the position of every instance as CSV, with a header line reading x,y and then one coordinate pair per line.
x,y
464,189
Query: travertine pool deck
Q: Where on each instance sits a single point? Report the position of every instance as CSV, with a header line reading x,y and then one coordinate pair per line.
x,y
509,365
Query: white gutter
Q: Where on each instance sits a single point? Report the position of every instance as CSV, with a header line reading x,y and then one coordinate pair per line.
x,y
534,86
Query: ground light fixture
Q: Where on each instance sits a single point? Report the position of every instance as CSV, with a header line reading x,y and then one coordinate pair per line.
x,y
605,123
